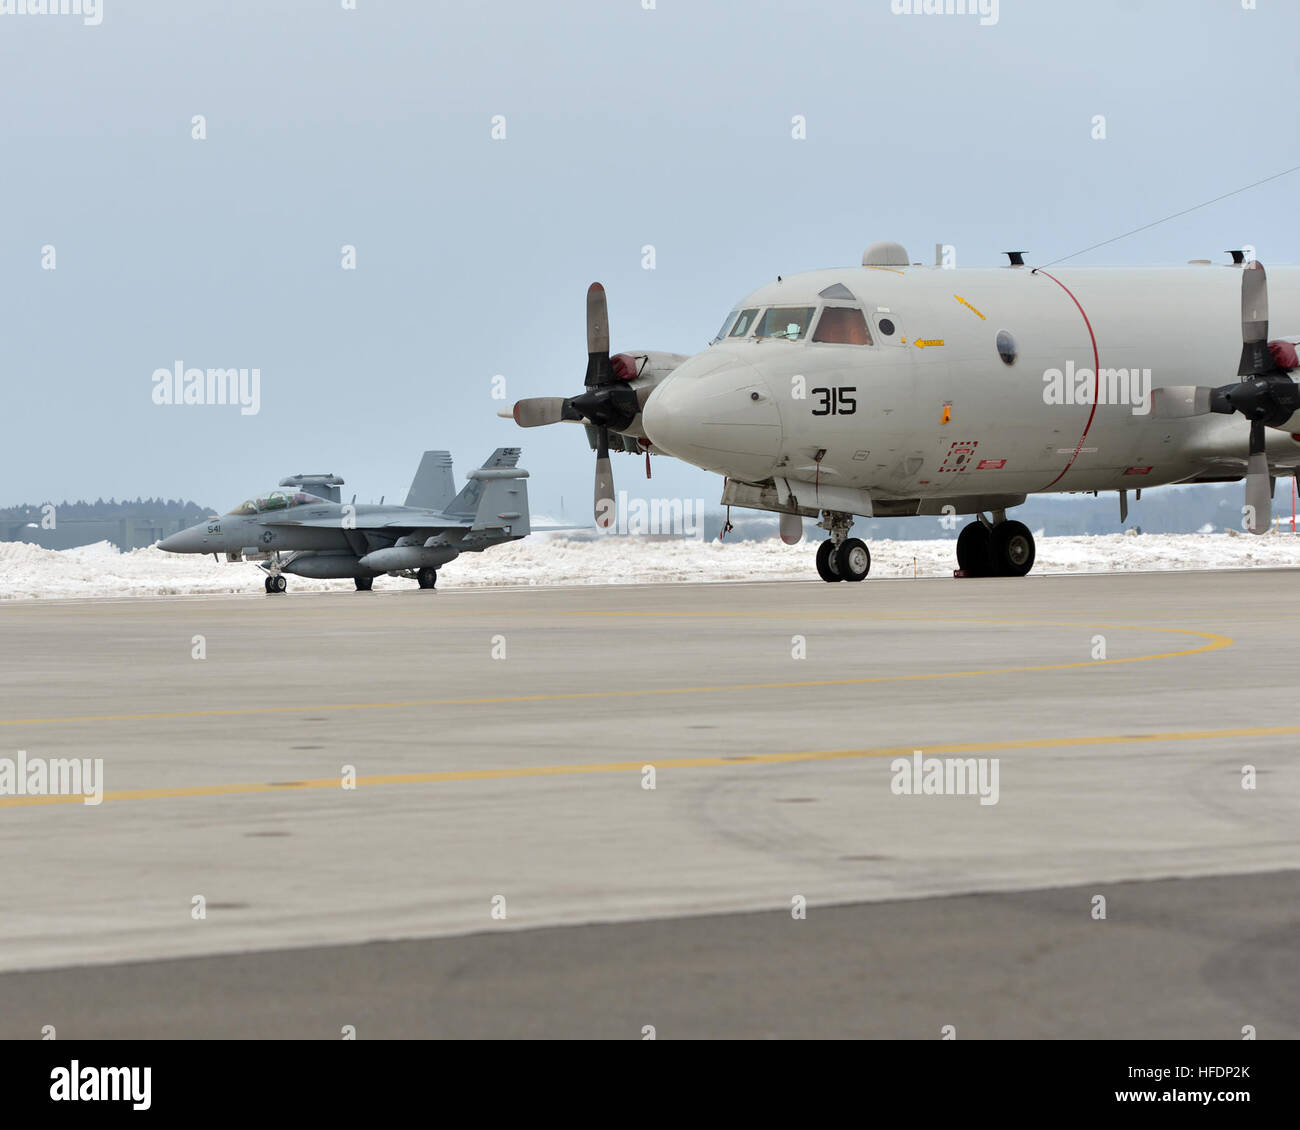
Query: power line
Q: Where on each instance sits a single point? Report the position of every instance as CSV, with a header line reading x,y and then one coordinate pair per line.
x,y
1166,219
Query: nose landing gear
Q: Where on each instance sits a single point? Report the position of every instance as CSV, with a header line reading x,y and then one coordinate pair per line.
x,y
275,581
840,557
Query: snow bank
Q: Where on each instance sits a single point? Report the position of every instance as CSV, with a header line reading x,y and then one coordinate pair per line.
x,y
29,572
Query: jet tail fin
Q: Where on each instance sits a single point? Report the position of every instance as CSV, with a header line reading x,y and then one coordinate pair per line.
x,y
433,486
496,494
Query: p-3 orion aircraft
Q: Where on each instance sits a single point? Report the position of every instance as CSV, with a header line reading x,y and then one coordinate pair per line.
x,y
896,389
296,530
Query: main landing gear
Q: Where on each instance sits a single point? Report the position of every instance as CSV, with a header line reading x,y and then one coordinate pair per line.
x,y
276,583
995,549
426,578
840,557
364,584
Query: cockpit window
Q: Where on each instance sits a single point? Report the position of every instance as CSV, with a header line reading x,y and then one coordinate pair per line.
x,y
726,325
788,322
843,325
276,500
744,323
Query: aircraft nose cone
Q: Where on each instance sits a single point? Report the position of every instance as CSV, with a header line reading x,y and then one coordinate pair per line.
x,y
717,412
186,541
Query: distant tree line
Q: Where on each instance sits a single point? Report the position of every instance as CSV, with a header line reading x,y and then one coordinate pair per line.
x,y
157,509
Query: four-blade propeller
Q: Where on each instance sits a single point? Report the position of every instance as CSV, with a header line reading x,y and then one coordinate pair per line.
x,y
1266,396
608,402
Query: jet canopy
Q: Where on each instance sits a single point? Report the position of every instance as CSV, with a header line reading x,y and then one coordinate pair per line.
x,y
277,500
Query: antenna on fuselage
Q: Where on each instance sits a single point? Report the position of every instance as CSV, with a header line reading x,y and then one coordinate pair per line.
x,y
1017,258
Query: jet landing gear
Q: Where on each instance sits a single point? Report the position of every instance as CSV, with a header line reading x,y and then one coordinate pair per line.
x,y
364,584
840,557
426,578
275,581
995,549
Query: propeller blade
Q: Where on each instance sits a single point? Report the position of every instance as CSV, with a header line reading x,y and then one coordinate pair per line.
x,y
1255,356
604,482
540,410
1177,401
599,370
1259,487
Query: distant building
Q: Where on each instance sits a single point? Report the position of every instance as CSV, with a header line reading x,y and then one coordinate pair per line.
x,y
68,533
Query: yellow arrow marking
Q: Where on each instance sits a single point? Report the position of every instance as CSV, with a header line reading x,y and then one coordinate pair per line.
x,y
922,344
969,307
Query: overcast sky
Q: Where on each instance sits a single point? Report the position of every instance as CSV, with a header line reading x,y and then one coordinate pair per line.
x,y
624,127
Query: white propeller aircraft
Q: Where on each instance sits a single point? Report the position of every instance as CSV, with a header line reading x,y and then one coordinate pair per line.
x,y
895,389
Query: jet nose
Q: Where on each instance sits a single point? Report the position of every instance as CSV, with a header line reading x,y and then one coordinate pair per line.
x,y
186,541
717,412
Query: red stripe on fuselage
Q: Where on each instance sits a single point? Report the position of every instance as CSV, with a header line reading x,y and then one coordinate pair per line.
x,y
1096,376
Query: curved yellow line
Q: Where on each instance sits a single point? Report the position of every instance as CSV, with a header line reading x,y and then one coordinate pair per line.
x,y
1216,643
454,775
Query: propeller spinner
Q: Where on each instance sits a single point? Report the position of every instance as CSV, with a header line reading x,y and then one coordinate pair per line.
x,y
608,402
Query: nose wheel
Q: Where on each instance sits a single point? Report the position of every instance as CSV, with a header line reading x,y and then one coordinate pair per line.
x,y
840,557
276,583
827,565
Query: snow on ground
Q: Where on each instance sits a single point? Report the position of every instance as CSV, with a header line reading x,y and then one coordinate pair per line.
x,y
29,572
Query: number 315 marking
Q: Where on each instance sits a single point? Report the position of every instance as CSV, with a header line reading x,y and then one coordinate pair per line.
x,y
835,401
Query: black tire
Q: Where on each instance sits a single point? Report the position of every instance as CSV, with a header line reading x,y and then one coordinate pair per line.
x,y
426,578
853,561
826,561
364,584
266,583
1011,548
973,553
279,584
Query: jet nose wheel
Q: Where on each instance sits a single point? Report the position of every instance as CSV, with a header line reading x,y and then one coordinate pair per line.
x,y
276,584
853,560
426,578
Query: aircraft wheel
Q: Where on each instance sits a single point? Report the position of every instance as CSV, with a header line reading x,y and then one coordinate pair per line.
x,y
426,578
266,583
853,560
278,584
364,584
974,555
826,561
1011,547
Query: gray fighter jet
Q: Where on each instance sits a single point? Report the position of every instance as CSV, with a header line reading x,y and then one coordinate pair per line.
x,y
304,529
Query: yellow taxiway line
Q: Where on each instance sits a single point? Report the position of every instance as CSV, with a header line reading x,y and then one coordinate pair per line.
x,y
661,764
1216,642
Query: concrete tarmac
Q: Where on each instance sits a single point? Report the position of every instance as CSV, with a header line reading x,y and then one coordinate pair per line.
x,y
501,742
